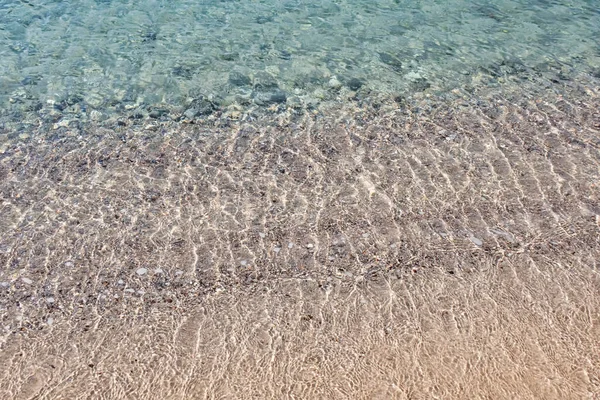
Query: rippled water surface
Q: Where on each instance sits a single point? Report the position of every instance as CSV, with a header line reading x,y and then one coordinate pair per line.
x,y
114,55
299,199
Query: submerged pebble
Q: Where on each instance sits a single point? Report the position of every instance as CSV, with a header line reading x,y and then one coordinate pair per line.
x,y
334,83
391,61
200,107
269,98
264,81
158,112
239,79
354,84
95,115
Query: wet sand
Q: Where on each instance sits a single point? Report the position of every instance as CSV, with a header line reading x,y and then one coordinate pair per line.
x,y
446,248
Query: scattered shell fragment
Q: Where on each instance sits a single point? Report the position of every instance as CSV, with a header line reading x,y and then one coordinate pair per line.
x,y
476,241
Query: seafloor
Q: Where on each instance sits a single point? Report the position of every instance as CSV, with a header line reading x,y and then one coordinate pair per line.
x,y
436,247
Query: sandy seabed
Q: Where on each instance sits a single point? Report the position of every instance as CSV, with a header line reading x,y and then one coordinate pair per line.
x,y
443,249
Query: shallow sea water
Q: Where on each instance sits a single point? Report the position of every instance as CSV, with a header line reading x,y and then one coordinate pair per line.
x,y
299,199
118,56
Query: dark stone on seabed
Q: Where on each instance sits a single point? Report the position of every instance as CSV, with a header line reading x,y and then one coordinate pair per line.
x,y
267,98
263,19
158,112
264,81
420,85
231,56
278,97
285,55
392,61
200,107
184,72
30,80
354,84
239,79
136,115
149,37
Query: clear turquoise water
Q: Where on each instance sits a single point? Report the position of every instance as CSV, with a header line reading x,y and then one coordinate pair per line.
x,y
119,55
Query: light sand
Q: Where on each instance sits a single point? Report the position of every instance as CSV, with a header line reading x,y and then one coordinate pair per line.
x,y
444,250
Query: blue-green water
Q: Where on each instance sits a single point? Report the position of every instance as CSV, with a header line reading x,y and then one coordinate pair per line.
x,y
115,56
